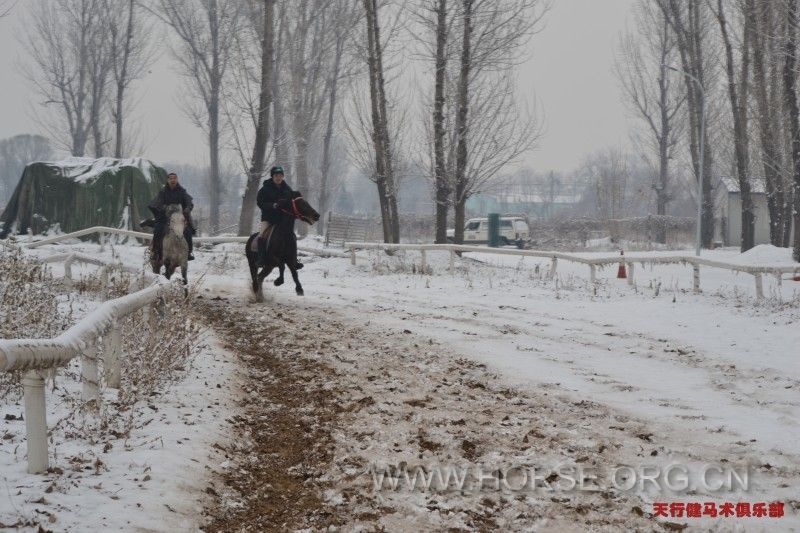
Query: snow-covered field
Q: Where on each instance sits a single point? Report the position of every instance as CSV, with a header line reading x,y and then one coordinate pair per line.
x,y
714,377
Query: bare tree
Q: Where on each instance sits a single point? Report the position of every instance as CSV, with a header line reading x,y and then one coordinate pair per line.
x,y
738,94
642,69
493,35
262,121
6,6
311,45
689,20
68,67
607,172
130,54
436,18
381,141
205,30
15,154
790,90
766,89
346,15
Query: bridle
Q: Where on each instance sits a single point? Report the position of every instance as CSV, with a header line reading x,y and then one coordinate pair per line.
x,y
295,212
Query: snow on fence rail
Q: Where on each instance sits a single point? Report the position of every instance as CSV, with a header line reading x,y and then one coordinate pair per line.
x,y
104,230
758,271
32,356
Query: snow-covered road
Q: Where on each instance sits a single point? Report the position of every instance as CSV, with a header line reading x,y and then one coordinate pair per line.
x,y
713,377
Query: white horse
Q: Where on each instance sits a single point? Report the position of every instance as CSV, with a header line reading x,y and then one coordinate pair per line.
x,y
174,248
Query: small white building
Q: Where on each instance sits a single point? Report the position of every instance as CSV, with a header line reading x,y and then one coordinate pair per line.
x,y
728,211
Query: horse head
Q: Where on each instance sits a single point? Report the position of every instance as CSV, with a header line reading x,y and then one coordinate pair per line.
x,y
303,210
177,222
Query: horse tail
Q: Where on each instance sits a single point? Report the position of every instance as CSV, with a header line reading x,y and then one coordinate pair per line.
x,y
251,261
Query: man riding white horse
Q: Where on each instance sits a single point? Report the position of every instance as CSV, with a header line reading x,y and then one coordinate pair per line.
x,y
172,193
274,200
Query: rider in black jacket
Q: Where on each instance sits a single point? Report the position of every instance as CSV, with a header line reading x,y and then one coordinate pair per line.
x,y
274,199
172,193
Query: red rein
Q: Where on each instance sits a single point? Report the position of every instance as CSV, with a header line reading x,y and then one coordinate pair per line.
x,y
294,212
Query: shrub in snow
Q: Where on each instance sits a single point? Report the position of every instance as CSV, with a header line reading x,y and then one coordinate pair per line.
x,y
29,306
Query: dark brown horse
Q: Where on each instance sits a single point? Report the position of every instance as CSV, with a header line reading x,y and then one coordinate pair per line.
x,y
281,247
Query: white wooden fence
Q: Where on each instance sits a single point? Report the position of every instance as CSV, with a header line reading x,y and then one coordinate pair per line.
x,y
35,356
104,231
757,271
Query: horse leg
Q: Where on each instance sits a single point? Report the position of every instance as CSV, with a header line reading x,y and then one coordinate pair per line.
x,y
279,280
251,263
168,269
297,287
260,282
185,273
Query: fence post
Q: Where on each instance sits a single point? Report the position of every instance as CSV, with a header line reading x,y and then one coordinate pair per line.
x,y
111,350
423,261
104,280
102,241
35,421
630,273
68,271
553,266
352,255
89,377
452,260
696,278
759,287
592,273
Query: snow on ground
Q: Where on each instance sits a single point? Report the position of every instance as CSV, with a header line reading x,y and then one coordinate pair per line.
x,y
715,376
151,479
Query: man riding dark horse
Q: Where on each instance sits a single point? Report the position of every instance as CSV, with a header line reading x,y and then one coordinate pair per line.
x,y
172,193
276,244
274,199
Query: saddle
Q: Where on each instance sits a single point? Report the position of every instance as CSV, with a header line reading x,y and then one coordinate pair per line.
x,y
266,235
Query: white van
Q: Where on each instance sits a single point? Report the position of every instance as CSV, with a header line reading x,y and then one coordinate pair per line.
x,y
513,230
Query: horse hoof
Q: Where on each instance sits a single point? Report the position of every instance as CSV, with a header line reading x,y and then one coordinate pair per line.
x,y
278,282
299,292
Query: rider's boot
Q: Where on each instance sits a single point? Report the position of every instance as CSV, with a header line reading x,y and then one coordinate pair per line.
x,y
261,258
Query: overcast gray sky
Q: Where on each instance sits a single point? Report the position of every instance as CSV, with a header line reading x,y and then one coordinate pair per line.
x,y
569,73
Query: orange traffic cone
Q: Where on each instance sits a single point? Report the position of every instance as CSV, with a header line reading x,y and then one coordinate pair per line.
x,y
621,274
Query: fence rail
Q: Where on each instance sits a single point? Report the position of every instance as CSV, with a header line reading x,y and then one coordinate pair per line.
x,y
33,356
758,271
104,231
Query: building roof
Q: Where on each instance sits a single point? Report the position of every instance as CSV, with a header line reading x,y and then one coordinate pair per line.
x,y
757,185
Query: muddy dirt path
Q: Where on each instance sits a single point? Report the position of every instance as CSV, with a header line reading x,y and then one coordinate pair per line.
x,y
331,409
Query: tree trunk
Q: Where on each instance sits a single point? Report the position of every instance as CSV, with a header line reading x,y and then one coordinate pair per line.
x,y
462,126
122,82
690,46
790,90
738,99
279,137
766,125
384,178
262,124
662,194
215,187
324,193
440,172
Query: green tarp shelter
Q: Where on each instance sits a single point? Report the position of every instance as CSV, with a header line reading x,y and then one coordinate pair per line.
x,y
80,192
